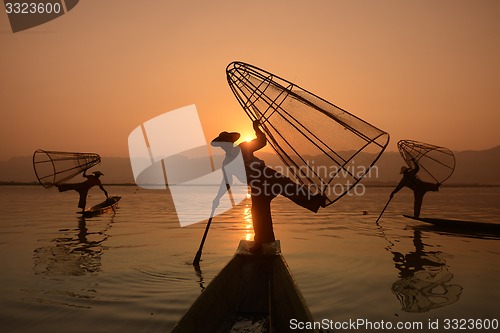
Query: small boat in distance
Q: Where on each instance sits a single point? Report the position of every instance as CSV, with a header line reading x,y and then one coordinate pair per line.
x,y
106,206
459,225
253,293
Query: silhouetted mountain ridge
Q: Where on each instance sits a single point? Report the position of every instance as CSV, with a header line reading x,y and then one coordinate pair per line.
x,y
472,168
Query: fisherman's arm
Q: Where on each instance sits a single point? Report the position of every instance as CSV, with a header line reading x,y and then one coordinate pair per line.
x,y
416,167
401,184
104,190
224,187
260,141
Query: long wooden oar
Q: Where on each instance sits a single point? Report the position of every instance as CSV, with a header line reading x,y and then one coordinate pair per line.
x,y
383,210
112,206
197,258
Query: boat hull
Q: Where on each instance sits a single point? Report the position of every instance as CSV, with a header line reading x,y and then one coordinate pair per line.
x,y
106,206
460,225
252,289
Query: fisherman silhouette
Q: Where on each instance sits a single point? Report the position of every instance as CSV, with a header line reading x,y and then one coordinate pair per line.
x,y
265,184
84,187
418,186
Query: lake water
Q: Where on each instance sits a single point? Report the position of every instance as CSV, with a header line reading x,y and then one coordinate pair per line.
x,y
131,271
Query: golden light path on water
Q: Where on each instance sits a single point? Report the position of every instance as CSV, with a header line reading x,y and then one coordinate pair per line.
x,y
247,220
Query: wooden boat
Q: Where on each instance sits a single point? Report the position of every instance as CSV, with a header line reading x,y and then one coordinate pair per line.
x,y
253,293
465,226
106,206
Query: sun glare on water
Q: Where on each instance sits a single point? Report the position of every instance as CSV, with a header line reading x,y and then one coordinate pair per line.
x,y
247,217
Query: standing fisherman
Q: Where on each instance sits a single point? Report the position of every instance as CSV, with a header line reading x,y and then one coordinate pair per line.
x,y
84,187
265,183
418,187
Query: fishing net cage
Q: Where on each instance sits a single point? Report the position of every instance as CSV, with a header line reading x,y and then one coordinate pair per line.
x,y
436,164
56,167
323,146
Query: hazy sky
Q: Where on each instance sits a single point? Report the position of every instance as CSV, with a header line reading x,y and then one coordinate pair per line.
x,y
420,70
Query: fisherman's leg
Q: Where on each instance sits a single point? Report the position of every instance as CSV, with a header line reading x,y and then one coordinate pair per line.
x,y
299,194
68,187
262,220
82,202
417,205
431,187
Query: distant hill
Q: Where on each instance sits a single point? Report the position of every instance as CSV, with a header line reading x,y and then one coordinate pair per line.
x,y
473,168
477,167
20,169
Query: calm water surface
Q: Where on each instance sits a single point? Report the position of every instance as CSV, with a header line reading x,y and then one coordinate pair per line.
x,y
131,271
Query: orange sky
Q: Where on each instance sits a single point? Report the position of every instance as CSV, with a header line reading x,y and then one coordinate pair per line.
x,y
420,70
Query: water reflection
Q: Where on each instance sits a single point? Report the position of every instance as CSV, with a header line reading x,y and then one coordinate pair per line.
x,y
247,220
74,252
425,281
199,275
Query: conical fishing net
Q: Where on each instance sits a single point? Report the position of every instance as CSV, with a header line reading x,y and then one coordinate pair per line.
x,y
436,163
323,146
56,167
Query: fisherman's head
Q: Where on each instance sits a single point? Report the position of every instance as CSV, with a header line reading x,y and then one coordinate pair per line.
x,y
225,140
98,173
403,169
